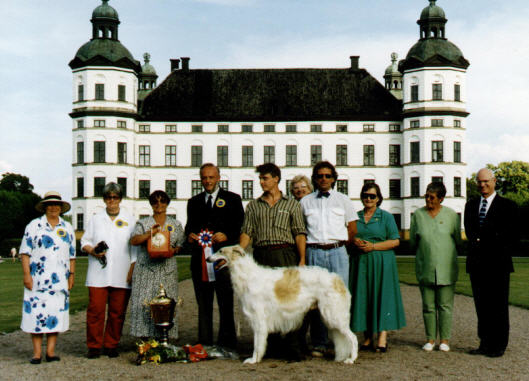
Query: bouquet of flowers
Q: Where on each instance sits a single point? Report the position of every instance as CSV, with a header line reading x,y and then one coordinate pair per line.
x,y
152,351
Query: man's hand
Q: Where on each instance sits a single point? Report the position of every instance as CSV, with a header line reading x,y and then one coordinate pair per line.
x,y
219,237
219,264
192,237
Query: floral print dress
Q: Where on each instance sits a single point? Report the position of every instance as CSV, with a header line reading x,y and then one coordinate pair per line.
x,y
46,307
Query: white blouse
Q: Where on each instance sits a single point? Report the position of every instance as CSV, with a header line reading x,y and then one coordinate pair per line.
x,y
120,254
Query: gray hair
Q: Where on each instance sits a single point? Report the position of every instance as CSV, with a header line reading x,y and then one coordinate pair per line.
x,y
300,178
438,188
112,188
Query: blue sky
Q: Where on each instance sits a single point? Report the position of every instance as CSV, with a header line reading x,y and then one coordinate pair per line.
x,y
40,37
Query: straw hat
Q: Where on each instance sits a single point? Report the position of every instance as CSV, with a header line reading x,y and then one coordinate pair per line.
x,y
52,197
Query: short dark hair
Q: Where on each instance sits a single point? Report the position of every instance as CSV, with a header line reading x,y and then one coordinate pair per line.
x,y
112,188
269,168
375,186
321,165
438,188
159,194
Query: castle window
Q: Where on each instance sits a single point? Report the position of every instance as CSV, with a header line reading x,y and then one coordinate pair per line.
x,y
99,123
437,179
121,124
196,128
342,186
291,128
170,156
99,152
224,184
415,189
291,156
247,189
196,156
457,152
144,188
196,187
222,156
437,92
122,182
457,186
394,188
269,154
457,123
269,128
247,156
315,154
398,220
80,123
80,152
247,128
122,153
99,185
145,156
100,92
415,156
80,221
394,154
341,154
437,123
437,151
414,91
369,128
170,188
121,93
369,154
415,123
170,128
394,127
341,128
315,128
80,93
144,128
457,93
80,187
223,128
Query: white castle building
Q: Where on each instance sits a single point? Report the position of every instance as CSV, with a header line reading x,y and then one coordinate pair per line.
x,y
144,136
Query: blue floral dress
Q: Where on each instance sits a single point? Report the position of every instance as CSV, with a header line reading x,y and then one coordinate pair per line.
x,y
46,306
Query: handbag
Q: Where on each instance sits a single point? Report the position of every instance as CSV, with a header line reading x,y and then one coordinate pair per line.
x,y
158,245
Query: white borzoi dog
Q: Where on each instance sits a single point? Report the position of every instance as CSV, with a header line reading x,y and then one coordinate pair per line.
x,y
277,299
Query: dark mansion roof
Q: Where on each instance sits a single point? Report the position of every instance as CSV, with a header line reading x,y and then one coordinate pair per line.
x,y
270,95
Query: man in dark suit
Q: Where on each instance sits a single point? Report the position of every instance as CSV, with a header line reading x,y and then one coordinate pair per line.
x,y
491,226
222,214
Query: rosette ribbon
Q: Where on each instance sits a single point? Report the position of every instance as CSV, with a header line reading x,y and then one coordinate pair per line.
x,y
205,239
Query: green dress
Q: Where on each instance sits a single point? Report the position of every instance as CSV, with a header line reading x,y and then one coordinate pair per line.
x,y
374,280
436,242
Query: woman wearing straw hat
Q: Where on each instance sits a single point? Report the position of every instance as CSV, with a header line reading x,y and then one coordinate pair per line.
x,y
48,261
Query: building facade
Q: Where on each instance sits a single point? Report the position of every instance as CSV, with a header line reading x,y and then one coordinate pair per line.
x,y
402,135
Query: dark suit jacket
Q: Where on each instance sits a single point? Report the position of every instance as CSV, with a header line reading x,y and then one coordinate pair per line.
x,y
491,245
226,219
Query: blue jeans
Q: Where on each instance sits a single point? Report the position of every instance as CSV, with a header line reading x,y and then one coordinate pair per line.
x,y
336,261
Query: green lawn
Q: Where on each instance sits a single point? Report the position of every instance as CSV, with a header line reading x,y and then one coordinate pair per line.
x,y
519,279
12,290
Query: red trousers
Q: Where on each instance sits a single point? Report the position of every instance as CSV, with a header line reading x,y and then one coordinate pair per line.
x,y
98,298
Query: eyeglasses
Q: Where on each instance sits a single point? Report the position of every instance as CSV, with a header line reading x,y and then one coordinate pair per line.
x,y
322,175
370,196
112,198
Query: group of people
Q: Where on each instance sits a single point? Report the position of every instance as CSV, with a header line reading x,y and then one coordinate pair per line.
x,y
318,226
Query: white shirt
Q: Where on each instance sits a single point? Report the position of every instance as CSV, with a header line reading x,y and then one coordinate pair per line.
x,y
327,217
489,202
213,195
120,255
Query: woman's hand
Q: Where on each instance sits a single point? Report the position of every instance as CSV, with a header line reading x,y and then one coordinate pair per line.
x,y
364,245
28,282
155,229
71,281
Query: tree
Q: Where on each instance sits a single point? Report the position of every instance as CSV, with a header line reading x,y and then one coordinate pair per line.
x,y
17,205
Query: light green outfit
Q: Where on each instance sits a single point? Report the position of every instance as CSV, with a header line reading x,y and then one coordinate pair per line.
x,y
436,242
374,280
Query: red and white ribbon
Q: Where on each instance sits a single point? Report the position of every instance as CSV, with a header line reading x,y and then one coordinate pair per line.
x,y
205,239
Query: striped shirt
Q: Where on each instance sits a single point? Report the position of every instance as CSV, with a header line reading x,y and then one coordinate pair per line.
x,y
273,225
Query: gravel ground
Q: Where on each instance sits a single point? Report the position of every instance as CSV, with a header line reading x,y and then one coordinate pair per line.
x,y
404,360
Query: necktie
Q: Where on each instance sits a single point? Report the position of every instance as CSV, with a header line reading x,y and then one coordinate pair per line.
x,y
323,194
483,212
209,204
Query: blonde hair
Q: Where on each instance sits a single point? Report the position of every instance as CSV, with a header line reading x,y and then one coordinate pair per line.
x,y
297,179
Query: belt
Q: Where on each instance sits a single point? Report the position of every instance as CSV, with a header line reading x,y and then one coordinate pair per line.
x,y
274,247
327,246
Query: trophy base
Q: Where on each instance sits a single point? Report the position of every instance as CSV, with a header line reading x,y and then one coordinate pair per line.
x,y
164,328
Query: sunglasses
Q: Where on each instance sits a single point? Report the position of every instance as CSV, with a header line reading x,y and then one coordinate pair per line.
x,y
370,196
112,198
326,175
